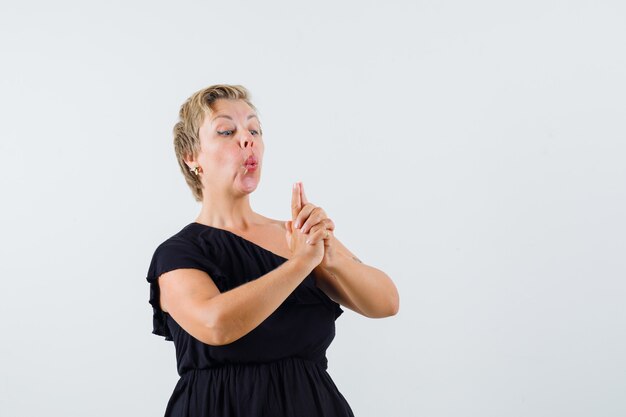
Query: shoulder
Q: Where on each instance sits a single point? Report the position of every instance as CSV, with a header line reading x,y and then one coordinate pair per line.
x,y
188,248
185,242
184,238
274,223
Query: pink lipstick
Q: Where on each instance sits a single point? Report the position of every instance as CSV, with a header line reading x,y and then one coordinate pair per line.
x,y
250,164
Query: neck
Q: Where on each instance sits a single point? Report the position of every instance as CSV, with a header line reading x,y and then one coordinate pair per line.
x,y
227,212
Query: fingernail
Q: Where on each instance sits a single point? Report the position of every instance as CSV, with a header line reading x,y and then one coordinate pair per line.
x,y
295,184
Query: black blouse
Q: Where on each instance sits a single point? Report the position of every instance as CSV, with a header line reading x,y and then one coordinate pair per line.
x,y
278,368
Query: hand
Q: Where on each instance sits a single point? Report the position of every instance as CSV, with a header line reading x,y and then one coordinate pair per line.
x,y
316,225
296,240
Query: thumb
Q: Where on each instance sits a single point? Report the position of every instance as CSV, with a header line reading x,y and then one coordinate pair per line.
x,y
288,227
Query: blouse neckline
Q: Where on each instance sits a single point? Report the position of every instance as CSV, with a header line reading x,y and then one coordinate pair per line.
x,y
239,237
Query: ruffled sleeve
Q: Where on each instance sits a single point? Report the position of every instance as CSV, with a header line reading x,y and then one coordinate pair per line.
x,y
174,253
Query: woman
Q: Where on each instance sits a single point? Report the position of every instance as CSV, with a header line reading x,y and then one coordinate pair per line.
x,y
250,302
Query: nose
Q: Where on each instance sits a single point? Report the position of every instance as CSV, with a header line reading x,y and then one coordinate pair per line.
x,y
246,139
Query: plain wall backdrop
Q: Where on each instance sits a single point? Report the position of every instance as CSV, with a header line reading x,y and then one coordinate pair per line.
x,y
474,151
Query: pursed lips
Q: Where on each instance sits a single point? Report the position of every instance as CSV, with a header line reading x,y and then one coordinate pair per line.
x,y
251,161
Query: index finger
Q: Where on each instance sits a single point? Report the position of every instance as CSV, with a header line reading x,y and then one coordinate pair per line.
x,y
296,202
303,198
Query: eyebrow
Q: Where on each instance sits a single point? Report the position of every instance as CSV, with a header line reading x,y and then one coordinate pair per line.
x,y
228,117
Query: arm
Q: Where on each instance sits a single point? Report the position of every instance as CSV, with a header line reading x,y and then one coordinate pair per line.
x,y
215,318
341,275
362,288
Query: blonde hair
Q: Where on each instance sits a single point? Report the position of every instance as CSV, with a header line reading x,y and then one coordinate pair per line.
x,y
191,116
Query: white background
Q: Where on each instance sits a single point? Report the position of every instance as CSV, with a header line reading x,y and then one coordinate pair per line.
x,y
474,151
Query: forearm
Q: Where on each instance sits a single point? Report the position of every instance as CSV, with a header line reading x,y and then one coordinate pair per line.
x,y
369,288
243,308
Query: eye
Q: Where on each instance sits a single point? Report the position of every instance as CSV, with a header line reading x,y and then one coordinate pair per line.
x,y
225,132
254,132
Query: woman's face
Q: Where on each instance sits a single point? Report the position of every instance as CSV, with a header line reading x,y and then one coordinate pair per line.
x,y
228,136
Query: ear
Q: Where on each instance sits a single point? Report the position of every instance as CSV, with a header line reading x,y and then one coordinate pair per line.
x,y
190,161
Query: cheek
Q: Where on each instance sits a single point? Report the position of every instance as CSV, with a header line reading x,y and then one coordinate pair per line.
x,y
226,152
229,158
216,157
259,148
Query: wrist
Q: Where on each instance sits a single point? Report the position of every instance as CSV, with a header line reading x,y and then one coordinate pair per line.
x,y
303,263
337,262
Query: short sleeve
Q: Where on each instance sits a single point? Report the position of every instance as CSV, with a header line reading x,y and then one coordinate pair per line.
x,y
172,254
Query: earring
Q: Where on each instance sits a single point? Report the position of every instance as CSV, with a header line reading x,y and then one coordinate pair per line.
x,y
195,170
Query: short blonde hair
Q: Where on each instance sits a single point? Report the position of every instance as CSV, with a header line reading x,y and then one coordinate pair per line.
x,y
191,116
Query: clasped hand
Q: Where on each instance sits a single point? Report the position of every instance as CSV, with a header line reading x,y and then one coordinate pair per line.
x,y
312,221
